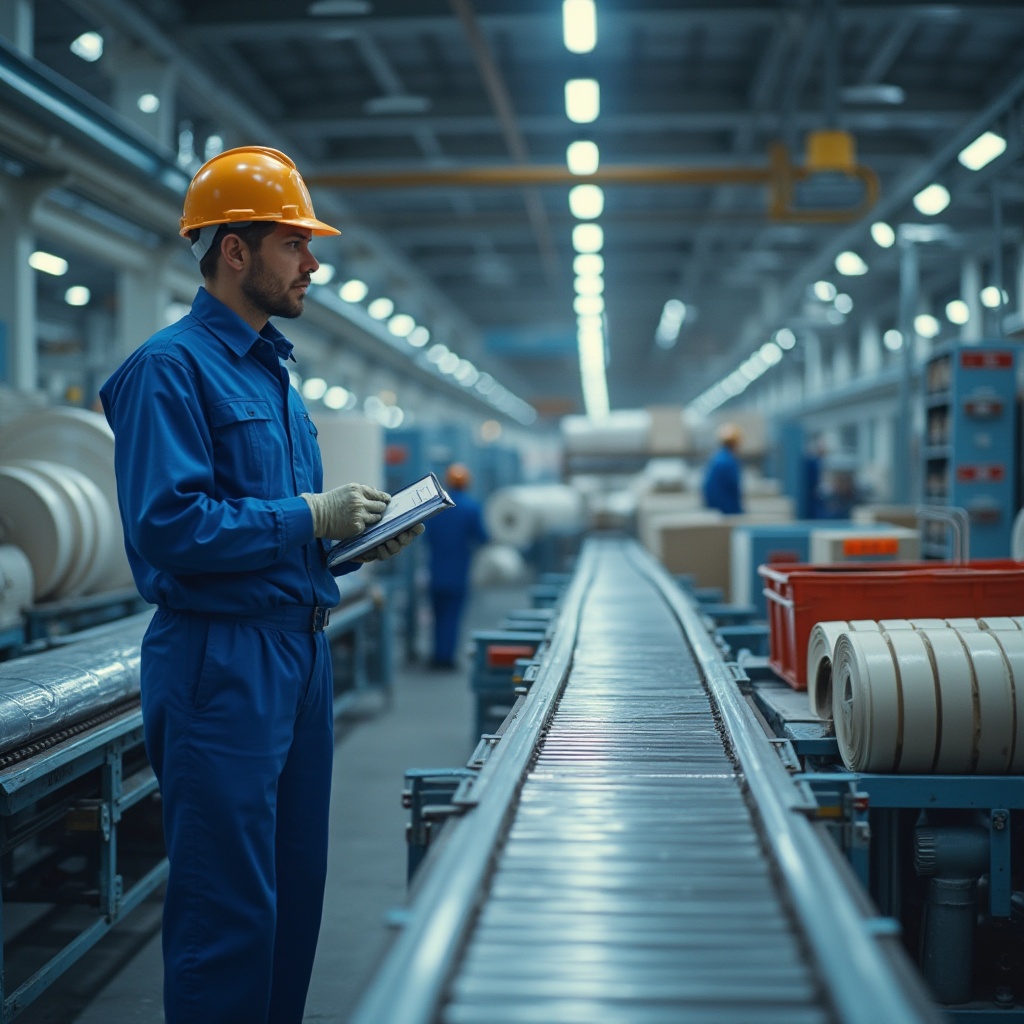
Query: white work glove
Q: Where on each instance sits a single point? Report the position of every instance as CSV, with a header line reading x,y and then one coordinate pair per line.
x,y
390,548
346,511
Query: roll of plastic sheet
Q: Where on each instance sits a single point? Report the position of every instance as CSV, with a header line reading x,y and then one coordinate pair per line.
x,y
1000,622
970,625
1012,643
16,585
44,693
820,647
496,565
866,702
993,702
919,713
523,514
352,449
956,700
622,432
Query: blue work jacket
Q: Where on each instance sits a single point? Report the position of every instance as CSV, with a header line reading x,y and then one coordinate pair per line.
x,y
453,536
213,448
722,483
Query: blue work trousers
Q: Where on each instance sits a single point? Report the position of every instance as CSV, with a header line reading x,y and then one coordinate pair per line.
x,y
447,608
239,730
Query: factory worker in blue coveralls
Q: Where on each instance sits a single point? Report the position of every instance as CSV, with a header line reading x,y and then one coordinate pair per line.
x,y
219,486
452,539
722,476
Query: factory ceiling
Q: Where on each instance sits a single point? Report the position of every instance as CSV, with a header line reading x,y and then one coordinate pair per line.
x,y
436,134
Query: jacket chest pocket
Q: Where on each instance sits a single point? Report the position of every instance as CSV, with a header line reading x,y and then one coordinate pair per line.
x,y
244,441
309,472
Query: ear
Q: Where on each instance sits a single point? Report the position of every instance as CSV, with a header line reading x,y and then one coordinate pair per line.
x,y
234,251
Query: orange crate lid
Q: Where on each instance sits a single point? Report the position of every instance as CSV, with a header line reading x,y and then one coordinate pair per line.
x,y
506,655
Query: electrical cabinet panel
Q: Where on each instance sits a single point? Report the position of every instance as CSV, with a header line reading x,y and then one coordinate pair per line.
x,y
969,448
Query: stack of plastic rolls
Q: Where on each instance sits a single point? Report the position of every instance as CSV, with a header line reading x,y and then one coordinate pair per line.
x,y
922,696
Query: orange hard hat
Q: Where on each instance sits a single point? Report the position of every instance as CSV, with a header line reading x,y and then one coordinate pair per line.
x,y
730,434
457,476
248,184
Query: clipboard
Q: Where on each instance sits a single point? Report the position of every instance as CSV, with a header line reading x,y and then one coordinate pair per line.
x,y
411,505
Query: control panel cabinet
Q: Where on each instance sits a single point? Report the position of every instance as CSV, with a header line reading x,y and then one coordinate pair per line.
x,y
969,445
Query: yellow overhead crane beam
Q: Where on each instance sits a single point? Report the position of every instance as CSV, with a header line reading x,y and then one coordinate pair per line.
x,y
829,153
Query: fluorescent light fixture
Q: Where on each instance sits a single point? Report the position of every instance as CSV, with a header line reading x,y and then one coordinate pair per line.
x,y
983,150
672,316
586,201
48,263
843,303
849,264
586,305
77,295
464,371
418,336
958,312
401,325
148,103
588,238
395,417
324,274
448,363
381,309
833,316
314,388
593,320
588,264
993,298
883,234
932,200
824,290
213,145
336,397
892,340
486,384
579,25
785,338
582,157
770,353
582,100
88,46
436,353
589,285
926,325
353,290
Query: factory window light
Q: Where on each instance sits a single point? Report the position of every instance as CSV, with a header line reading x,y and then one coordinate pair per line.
x,y
48,263
314,388
336,397
958,312
926,325
883,234
785,338
579,25
849,264
672,316
381,309
148,103
590,285
993,297
324,274
587,238
582,157
824,290
843,303
586,201
582,100
588,263
88,46
932,200
892,340
77,295
983,150
418,336
401,325
353,291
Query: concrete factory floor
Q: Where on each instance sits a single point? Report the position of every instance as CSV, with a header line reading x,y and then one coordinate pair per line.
x,y
426,724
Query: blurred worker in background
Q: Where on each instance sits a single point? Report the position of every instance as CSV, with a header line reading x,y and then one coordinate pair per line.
x,y
219,479
722,476
452,539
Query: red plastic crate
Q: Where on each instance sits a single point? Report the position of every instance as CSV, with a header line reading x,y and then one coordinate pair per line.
x,y
803,595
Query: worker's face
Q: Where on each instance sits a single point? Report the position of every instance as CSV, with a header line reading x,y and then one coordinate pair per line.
x,y
278,275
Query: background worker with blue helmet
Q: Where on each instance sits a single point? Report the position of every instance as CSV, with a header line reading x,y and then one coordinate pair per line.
x,y
452,538
219,479
722,476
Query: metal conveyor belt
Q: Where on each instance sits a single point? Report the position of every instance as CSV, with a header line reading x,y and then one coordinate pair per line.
x,y
631,881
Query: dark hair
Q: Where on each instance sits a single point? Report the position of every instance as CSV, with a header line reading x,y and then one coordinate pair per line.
x,y
252,234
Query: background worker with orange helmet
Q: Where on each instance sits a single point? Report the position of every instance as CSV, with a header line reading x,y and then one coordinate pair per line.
x,y
452,539
226,529
722,476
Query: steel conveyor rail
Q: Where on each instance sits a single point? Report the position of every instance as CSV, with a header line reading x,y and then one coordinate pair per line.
x,y
633,851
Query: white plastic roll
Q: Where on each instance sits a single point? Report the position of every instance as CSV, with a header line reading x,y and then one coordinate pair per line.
x,y
1000,622
956,695
16,585
865,702
919,735
889,625
624,431
1012,643
352,449
523,514
864,626
970,625
496,565
995,705
928,624
820,648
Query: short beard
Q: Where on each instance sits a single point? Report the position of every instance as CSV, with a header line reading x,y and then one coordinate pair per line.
x,y
267,295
